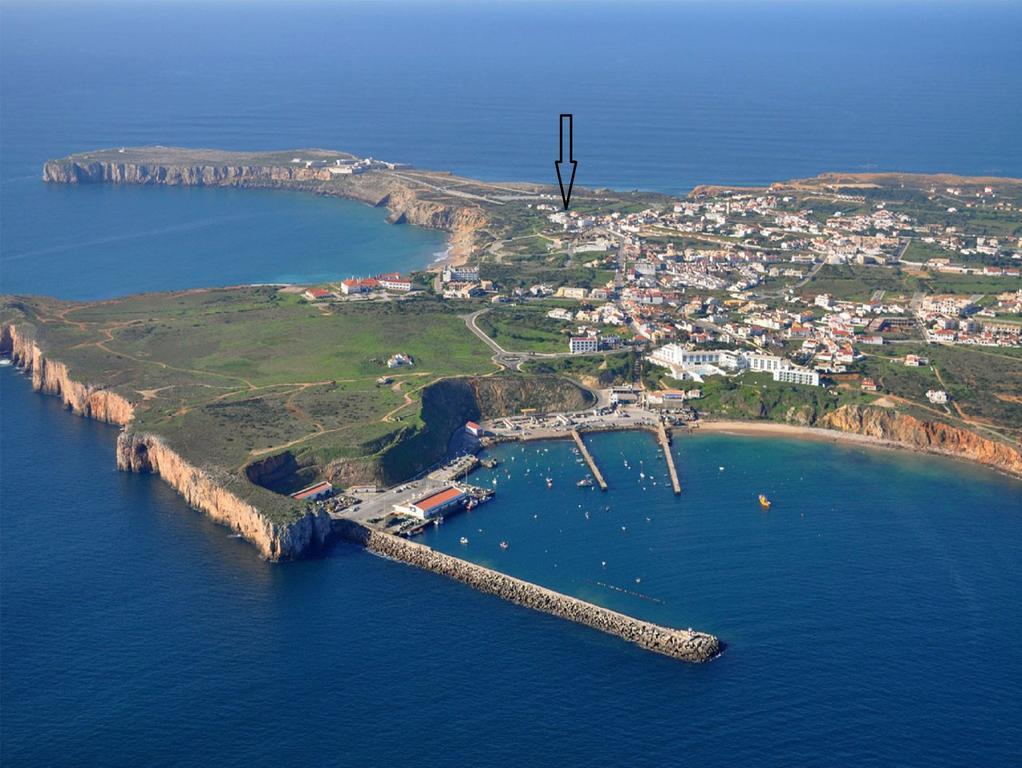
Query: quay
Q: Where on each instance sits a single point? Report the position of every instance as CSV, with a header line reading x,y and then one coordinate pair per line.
x,y
665,443
589,460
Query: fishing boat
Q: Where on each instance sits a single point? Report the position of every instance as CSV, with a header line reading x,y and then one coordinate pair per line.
x,y
764,501
463,539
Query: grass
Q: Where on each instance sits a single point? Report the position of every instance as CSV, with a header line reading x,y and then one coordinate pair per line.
x,y
235,375
525,329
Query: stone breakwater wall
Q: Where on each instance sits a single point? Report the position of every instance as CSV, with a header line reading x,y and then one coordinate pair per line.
x,y
686,645
142,452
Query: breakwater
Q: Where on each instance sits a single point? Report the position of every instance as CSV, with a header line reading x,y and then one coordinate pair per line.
x,y
683,644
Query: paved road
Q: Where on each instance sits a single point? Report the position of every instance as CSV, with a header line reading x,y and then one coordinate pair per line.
x,y
514,360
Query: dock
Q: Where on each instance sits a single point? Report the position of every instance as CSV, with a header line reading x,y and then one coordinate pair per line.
x,y
597,475
665,443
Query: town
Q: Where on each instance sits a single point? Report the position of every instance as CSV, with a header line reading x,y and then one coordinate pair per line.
x,y
808,286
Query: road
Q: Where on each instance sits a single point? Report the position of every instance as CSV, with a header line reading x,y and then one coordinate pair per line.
x,y
513,360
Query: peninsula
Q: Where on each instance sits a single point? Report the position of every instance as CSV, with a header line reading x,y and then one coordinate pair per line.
x,y
888,306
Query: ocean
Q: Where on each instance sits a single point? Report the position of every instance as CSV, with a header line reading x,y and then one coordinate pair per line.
x,y
870,616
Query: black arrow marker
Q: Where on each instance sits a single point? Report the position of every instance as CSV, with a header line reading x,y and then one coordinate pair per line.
x,y
566,126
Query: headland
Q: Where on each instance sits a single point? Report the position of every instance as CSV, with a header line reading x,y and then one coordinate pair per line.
x,y
542,321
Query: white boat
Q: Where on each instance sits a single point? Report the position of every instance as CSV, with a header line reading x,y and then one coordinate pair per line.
x,y
5,361
503,545
549,482
463,540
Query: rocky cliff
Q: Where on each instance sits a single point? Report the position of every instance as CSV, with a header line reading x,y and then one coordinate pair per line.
x,y
140,452
930,436
686,645
147,453
407,200
52,378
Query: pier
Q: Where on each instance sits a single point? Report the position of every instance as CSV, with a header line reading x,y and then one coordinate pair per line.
x,y
665,443
597,475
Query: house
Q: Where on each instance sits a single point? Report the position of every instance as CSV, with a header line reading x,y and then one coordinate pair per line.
x,y
914,361
399,359
870,385
318,294
394,281
568,292
937,396
473,429
355,285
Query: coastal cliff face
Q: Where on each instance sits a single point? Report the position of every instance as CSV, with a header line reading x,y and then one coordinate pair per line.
x,y
51,377
146,453
686,645
141,452
400,197
930,436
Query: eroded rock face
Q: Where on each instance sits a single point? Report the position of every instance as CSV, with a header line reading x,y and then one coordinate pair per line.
x,y
930,436
381,190
141,452
52,378
147,453
686,645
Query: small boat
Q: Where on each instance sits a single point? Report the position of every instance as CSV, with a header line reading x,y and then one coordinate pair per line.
x,y
5,361
721,468
463,540
764,501
586,482
549,482
503,545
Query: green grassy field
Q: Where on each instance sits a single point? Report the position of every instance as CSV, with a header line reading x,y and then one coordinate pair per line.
x,y
228,377
526,329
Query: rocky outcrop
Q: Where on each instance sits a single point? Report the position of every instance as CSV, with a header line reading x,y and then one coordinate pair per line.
x,y
52,378
141,452
929,436
401,197
686,645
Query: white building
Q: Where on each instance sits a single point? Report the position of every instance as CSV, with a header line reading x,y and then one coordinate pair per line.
x,y
580,344
696,364
804,376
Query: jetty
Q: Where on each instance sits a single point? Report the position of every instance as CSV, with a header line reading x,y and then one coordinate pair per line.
x,y
665,443
597,475
683,644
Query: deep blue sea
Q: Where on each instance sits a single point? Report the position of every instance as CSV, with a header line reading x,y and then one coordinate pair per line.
x,y
872,615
